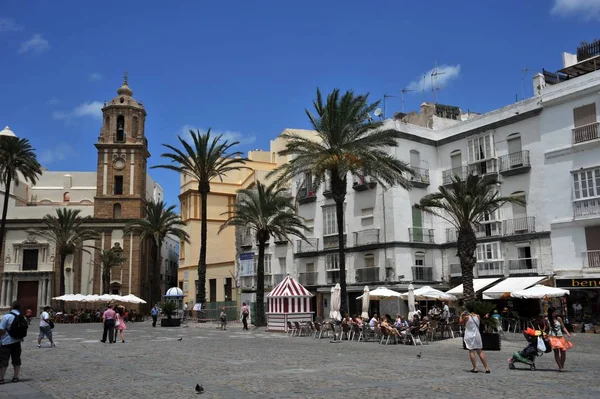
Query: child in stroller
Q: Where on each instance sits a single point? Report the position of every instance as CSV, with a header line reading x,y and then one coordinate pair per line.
x,y
531,351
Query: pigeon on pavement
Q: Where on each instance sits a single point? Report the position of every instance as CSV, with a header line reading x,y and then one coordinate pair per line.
x,y
199,388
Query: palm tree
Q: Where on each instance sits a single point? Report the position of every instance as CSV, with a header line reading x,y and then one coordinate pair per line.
x,y
17,157
464,204
268,211
204,159
68,233
109,259
160,221
349,143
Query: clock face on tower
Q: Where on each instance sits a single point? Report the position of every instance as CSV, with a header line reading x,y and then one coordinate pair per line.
x,y
118,163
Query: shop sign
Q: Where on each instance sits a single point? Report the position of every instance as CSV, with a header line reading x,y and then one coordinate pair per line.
x,y
578,283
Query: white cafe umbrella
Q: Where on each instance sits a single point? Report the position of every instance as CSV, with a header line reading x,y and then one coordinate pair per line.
x,y
411,301
336,302
539,292
382,293
365,303
132,299
427,292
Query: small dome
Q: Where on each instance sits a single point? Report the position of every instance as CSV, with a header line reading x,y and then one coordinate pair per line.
x,y
125,90
174,292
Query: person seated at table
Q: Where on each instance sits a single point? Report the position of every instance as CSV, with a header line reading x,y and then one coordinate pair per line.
x,y
401,323
424,324
385,324
373,322
389,318
358,321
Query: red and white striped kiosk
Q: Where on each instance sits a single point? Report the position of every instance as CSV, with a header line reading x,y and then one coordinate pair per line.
x,y
288,301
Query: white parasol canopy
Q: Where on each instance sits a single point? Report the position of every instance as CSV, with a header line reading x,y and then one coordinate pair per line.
x,y
336,302
132,299
411,301
539,292
99,298
427,292
381,293
365,303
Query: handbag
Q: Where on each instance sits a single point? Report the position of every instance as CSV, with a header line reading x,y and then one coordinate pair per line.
x,y
541,345
51,324
118,322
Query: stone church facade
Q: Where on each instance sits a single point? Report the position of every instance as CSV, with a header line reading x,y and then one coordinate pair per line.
x,y
111,196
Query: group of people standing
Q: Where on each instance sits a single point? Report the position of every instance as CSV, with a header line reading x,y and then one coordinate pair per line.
x,y
113,320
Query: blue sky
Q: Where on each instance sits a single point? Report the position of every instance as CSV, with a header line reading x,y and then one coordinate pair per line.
x,y
249,69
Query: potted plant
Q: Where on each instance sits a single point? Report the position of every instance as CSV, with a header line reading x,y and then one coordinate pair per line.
x,y
489,327
168,309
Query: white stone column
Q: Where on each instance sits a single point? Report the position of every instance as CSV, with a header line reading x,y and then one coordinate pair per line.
x,y
3,293
40,294
48,292
9,292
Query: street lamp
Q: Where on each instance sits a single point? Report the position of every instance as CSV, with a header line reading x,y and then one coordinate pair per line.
x,y
6,132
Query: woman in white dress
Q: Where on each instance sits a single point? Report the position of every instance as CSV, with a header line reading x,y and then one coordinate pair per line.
x,y
472,338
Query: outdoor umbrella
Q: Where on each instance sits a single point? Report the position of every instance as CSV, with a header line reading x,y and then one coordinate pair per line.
x,y
411,301
131,299
381,293
365,303
427,292
540,292
336,302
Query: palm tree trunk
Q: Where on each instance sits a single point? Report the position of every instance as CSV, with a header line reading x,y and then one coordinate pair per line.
x,y
204,189
260,285
63,259
339,211
4,212
156,274
105,281
466,245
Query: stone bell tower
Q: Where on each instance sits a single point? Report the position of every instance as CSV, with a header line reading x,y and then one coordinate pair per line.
x,y
122,155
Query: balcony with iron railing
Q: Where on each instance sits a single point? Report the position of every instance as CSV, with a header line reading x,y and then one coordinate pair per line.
x,y
333,277
591,259
366,237
455,270
422,273
327,193
249,282
522,266
523,225
420,178
487,170
421,235
585,133
362,183
310,245
588,50
448,175
586,207
332,241
367,275
306,195
490,268
514,163
488,229
308,278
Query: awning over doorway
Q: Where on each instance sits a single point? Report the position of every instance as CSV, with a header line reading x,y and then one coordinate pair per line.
x,y
511,284
478,285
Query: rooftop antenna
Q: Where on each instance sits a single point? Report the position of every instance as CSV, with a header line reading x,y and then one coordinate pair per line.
x,y
385,97
523,73
405,90
434,76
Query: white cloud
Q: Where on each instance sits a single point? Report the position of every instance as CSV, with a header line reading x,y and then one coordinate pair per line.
x,y
94,77
446,73
9,25
228,135
53,101
588,9
60,152
37,44
92,108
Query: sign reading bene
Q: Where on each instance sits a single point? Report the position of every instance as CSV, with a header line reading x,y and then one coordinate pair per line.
x,y
578,283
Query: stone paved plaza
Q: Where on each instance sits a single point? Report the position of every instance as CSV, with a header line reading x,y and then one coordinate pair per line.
x,y
237,364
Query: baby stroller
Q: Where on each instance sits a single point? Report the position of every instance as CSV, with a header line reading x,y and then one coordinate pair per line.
x,y
535,338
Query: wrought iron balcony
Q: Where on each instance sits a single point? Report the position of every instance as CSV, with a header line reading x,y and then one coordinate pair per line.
x,y
447,175
310,245
421,235
455,270
522,266
514,163
333,277
365,237
367,275
249,282
522,225
308,278
591,259
488,229
422,273
585,133
330,242
306,195
362,183
421,177
487,170
490,268
586,207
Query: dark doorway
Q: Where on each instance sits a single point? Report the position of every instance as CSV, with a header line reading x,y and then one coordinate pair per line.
x,y
353,304
228,289
27,295
30,259
212,287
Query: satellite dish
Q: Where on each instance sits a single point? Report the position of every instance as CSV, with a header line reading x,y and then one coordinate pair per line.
x,y
378,112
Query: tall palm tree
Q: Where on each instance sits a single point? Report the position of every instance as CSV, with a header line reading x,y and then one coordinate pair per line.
x,y
204,159
17,156
108,260
268,211
69,234
464,204
349,143
160,221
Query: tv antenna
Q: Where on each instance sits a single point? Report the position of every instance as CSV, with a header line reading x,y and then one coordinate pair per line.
x,y
434,77
523,74
405,90
385,97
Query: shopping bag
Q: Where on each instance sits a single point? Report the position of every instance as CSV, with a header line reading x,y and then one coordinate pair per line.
x,y
541,346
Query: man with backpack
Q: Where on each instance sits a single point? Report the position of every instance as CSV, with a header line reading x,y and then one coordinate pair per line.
x,y
13,329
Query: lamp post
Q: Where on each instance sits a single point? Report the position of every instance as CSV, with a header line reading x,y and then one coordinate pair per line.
x,y
5,134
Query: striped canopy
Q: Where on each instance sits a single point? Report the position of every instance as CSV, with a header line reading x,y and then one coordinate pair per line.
x,y
289,288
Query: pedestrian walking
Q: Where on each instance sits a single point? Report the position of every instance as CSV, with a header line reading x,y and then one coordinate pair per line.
x,y
46,326
245,314
29,315
558,342
108,321
472,338
154,312
120,323
223,318
13,329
